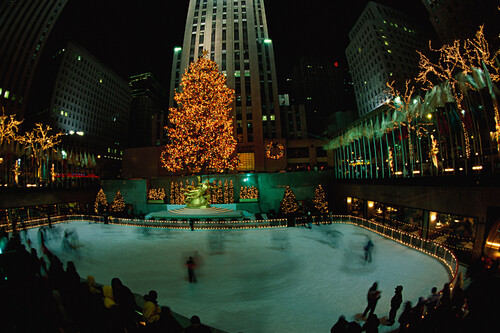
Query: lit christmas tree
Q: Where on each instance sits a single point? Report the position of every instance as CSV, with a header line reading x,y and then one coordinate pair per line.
x,y
231,191
118,203
201,127
319,200
100,202
289,204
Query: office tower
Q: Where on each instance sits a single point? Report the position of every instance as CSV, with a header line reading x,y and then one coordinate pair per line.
x,y
148,108
382,49
293,118
235,35
325,88
90,103
24,29
461,19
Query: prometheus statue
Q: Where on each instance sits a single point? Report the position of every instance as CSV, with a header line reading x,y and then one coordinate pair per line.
x,y
197,196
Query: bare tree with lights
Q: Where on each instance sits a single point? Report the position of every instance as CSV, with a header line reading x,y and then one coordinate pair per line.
x,y
200,133
38,142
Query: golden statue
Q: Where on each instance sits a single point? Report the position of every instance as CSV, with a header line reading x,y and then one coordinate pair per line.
x,y
197,196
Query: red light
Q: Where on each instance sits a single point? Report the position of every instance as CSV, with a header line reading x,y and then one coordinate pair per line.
x,y
336,64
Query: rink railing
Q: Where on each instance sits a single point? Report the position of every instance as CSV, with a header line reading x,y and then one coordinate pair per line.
x,y
200,224
429,247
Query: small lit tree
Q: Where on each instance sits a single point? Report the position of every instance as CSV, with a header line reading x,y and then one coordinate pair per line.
x,y
201,127
101,203
289,204
118,203
39,141
319,200
8,127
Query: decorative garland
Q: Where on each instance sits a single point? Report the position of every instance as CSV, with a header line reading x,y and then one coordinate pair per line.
x,y
277,154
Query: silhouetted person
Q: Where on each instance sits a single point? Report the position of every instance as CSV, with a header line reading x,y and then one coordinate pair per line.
x,y
372,323
196,326
190,267
433,300
151,311
340,326
368,250
405,318
168,323
373,296
396,301
125,301
191,224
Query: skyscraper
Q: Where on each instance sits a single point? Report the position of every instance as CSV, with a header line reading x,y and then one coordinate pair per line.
x,y
324,87
235,35
90,103
24,29
461,19
147,111
382,49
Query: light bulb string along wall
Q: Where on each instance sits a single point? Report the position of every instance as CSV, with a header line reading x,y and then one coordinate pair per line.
x,y
451,264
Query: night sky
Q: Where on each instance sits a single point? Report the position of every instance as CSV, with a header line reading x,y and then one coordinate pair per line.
x,y
139,36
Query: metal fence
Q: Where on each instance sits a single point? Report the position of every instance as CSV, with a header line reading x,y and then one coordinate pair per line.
x,y
429,247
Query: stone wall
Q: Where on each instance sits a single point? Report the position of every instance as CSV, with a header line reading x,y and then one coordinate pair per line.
x,y
271,187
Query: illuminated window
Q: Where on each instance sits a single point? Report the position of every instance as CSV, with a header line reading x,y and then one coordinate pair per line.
x,y
264,118
273,117
6,95
246,162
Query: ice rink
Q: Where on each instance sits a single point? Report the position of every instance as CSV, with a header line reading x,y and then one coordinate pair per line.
x,y
260,280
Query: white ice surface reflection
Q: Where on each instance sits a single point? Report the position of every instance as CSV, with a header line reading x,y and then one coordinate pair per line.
x,y
264,280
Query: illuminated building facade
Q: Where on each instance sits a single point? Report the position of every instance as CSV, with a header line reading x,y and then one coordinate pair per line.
x,y
24,29
235,35
90,103
381,49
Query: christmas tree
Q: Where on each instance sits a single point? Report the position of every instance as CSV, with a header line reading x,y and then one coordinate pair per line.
x,y
201,127
100,202
319,200
118,203
289,204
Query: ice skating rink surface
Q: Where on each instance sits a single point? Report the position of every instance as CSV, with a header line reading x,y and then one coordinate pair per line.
x,y
254,280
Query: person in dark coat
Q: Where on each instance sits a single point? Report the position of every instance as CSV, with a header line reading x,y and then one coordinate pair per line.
x,y
340,326
168,323
368,250
396,301
353,327
125,301
196,326
405,318
372,323
372,297
190,267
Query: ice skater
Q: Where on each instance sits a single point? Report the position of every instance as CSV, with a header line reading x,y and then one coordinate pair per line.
x,y
368,250
309,220
372,297
396,301
190,267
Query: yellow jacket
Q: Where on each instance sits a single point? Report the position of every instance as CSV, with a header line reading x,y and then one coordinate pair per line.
x,y
150,312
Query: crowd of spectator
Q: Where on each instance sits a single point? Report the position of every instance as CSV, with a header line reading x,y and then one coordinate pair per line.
x,y
39,295
453,309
